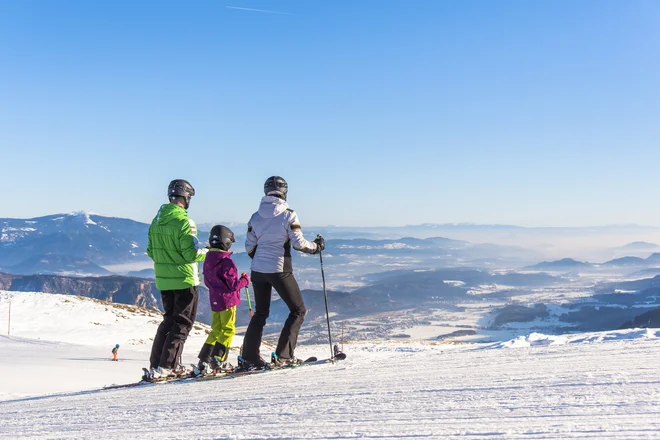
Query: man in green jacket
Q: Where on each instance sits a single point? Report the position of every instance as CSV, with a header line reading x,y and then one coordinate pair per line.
x,y
174,247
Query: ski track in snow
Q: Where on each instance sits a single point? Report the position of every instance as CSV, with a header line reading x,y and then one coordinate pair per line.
x,y
583,390
602,385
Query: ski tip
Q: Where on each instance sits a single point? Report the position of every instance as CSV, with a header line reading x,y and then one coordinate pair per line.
x,y
311,359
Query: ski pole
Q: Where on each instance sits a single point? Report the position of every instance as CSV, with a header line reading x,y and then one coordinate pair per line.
x,y
247,293
327,313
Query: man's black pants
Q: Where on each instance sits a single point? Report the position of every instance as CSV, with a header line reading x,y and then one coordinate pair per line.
x,y
180,311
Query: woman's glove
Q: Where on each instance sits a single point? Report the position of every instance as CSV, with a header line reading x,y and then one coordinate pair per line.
x,y
320,244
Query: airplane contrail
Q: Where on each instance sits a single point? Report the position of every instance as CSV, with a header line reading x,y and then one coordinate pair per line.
x,y
266,11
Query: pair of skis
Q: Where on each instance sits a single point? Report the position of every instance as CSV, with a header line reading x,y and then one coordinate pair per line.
x,y
188,375
147,380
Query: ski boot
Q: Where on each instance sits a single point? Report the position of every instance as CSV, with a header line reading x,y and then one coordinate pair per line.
x,y
249,365
201,369
220,366
147,375
279,362
338,354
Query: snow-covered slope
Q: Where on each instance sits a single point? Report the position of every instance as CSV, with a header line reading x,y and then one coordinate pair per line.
x,y
79,320
600,385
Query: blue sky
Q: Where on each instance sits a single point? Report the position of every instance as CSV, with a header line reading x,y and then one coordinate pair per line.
x,y
386,112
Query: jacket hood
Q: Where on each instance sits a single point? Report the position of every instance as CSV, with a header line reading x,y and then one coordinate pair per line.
x,y
169,212
272,206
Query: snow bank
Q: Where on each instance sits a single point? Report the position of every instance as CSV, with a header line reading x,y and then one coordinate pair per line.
x,y
539,339
534,340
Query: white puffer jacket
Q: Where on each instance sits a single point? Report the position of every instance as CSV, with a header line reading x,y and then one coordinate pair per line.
x,y
271,232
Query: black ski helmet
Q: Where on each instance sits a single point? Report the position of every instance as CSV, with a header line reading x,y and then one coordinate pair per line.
x,y
221,237
276,186
180,188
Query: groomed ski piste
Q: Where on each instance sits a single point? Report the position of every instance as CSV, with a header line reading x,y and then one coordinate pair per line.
x,y
54,366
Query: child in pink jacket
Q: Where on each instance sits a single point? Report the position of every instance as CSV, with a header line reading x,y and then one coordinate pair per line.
x,y
221,277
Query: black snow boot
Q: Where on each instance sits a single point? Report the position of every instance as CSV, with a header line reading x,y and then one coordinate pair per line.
x,y
218,355
278,362
203,367
205,353
250,364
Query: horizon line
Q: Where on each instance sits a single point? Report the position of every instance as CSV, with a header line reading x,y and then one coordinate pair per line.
x,y
417,225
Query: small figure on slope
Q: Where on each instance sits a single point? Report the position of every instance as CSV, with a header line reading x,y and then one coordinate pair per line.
x,y
115,350
221,277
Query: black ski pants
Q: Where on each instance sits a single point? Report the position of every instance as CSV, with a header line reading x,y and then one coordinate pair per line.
x,y
287,288
180,311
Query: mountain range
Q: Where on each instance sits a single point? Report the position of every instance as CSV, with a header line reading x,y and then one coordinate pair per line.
x,y
98,239
567,264
88,244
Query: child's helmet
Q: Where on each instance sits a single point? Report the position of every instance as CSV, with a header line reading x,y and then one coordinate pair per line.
x,y
117,345
221,237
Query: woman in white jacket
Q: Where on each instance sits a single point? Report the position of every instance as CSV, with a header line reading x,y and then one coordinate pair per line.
x,y
272,231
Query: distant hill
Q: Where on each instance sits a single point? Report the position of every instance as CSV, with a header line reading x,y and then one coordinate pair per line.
x,y
654,258
564,264
629,286
640,246
470,277
402,289
519,313
626,261
144,273
650,319
53,264
646,273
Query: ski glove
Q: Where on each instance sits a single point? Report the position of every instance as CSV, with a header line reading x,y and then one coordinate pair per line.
x,y
247,278
320,244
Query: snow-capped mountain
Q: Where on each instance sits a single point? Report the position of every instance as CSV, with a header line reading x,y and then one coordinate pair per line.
x,y
98,239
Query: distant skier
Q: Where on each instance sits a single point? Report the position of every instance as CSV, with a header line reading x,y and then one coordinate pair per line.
x,y
221,277
175,250
271,232
115,350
